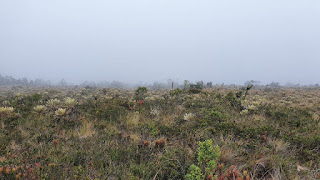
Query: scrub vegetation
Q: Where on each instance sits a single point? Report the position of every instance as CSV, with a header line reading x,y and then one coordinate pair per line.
x,y
196,132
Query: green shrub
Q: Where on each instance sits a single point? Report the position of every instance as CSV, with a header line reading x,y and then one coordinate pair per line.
x,y
208,156
176,92
140,92
194,173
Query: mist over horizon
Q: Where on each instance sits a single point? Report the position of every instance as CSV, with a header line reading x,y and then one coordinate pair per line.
x,y
152,41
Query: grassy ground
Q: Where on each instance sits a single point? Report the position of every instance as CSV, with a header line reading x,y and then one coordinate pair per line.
x,y
216,133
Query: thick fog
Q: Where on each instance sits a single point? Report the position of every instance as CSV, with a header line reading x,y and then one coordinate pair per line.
x,y
228,41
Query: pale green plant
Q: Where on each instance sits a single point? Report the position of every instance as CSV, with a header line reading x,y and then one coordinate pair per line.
x,y
53,103
61,112
40,109
252,107
6,110
70,103
2,109
154,112
244,112
188,116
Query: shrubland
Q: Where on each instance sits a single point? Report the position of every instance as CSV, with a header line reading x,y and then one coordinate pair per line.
x,y
194,133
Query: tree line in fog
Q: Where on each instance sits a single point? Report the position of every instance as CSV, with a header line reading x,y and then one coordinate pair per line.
x,y
11,81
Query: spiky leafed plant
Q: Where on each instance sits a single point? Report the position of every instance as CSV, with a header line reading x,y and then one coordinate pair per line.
x,y
70,103
6,110
40,109
188,116
61,112
53,103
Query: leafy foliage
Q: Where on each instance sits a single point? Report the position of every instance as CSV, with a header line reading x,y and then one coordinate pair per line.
x,y
208,156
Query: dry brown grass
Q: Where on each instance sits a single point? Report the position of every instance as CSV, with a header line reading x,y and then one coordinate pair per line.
x,y
227,155
133,120
86,129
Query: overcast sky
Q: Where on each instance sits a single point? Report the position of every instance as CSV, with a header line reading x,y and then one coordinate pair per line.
x,y
229,41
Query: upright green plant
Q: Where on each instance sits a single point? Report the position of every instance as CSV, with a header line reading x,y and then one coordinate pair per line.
x,y
176,92
242,98
140,92
237,99
208,156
